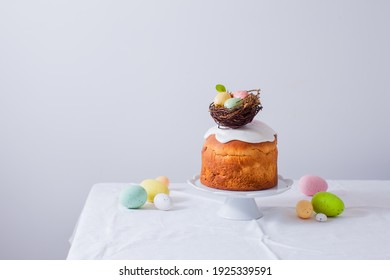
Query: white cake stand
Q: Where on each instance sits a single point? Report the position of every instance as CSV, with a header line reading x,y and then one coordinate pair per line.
x,y
241,205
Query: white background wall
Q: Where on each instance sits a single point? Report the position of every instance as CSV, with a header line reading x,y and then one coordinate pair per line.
x,y
118,91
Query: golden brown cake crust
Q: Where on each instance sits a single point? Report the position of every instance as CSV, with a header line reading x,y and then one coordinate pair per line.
x,y
239,166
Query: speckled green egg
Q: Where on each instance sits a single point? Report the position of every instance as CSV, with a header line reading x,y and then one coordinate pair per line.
x,y
232,102
133,196
327,203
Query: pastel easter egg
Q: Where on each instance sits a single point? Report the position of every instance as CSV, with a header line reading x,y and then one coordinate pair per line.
x,y
232,102
220,98
304,209
327,203
321,217
240,94
133,196
162,201
163,179
154,187
311,184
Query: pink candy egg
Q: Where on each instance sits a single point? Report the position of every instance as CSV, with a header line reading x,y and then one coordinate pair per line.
x,y
240,94
311,184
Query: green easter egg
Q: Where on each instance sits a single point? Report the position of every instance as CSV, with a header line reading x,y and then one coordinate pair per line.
x,y
133,196
232,102
327,203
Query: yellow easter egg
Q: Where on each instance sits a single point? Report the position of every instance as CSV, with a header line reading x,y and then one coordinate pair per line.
x,y
163,179
220,98
304,209
153,187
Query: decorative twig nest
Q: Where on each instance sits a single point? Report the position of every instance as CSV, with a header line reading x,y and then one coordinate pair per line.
x,y
240,115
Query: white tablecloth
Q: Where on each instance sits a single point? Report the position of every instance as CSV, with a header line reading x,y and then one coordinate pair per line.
x,y
193,230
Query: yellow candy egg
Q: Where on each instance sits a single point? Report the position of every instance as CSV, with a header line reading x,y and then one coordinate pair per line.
x,y
220,98
163,179
153,187
304,209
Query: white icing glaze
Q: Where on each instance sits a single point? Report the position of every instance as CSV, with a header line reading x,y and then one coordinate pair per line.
x,y
254,132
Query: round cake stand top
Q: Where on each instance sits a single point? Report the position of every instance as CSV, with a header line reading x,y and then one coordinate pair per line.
x,y
241,205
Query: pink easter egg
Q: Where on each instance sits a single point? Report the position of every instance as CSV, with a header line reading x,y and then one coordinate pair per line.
x,y
240,94
311,184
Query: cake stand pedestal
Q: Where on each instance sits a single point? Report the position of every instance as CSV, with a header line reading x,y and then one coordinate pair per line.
x,y
241,205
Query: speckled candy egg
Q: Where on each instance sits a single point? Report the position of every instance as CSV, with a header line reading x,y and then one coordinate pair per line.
x,y
163,179
311,184
154,187
220,98
327,203
232,102
133,196
321,217
304,209
240,94
162,201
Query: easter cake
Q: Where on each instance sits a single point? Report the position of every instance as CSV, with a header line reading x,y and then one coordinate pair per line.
x,y
239,153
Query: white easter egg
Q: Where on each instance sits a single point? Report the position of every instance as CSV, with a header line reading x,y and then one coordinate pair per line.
x,y
162,201
321,217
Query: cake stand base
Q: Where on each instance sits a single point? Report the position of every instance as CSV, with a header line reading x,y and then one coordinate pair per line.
x,y
241,205
240,209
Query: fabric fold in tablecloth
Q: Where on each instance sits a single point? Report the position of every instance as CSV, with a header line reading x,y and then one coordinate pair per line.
x,y
193,230
190,230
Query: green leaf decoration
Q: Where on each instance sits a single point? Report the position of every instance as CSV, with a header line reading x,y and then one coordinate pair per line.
x,y
220,88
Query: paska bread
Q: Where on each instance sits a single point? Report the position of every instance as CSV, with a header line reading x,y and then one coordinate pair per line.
x,y
241,159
